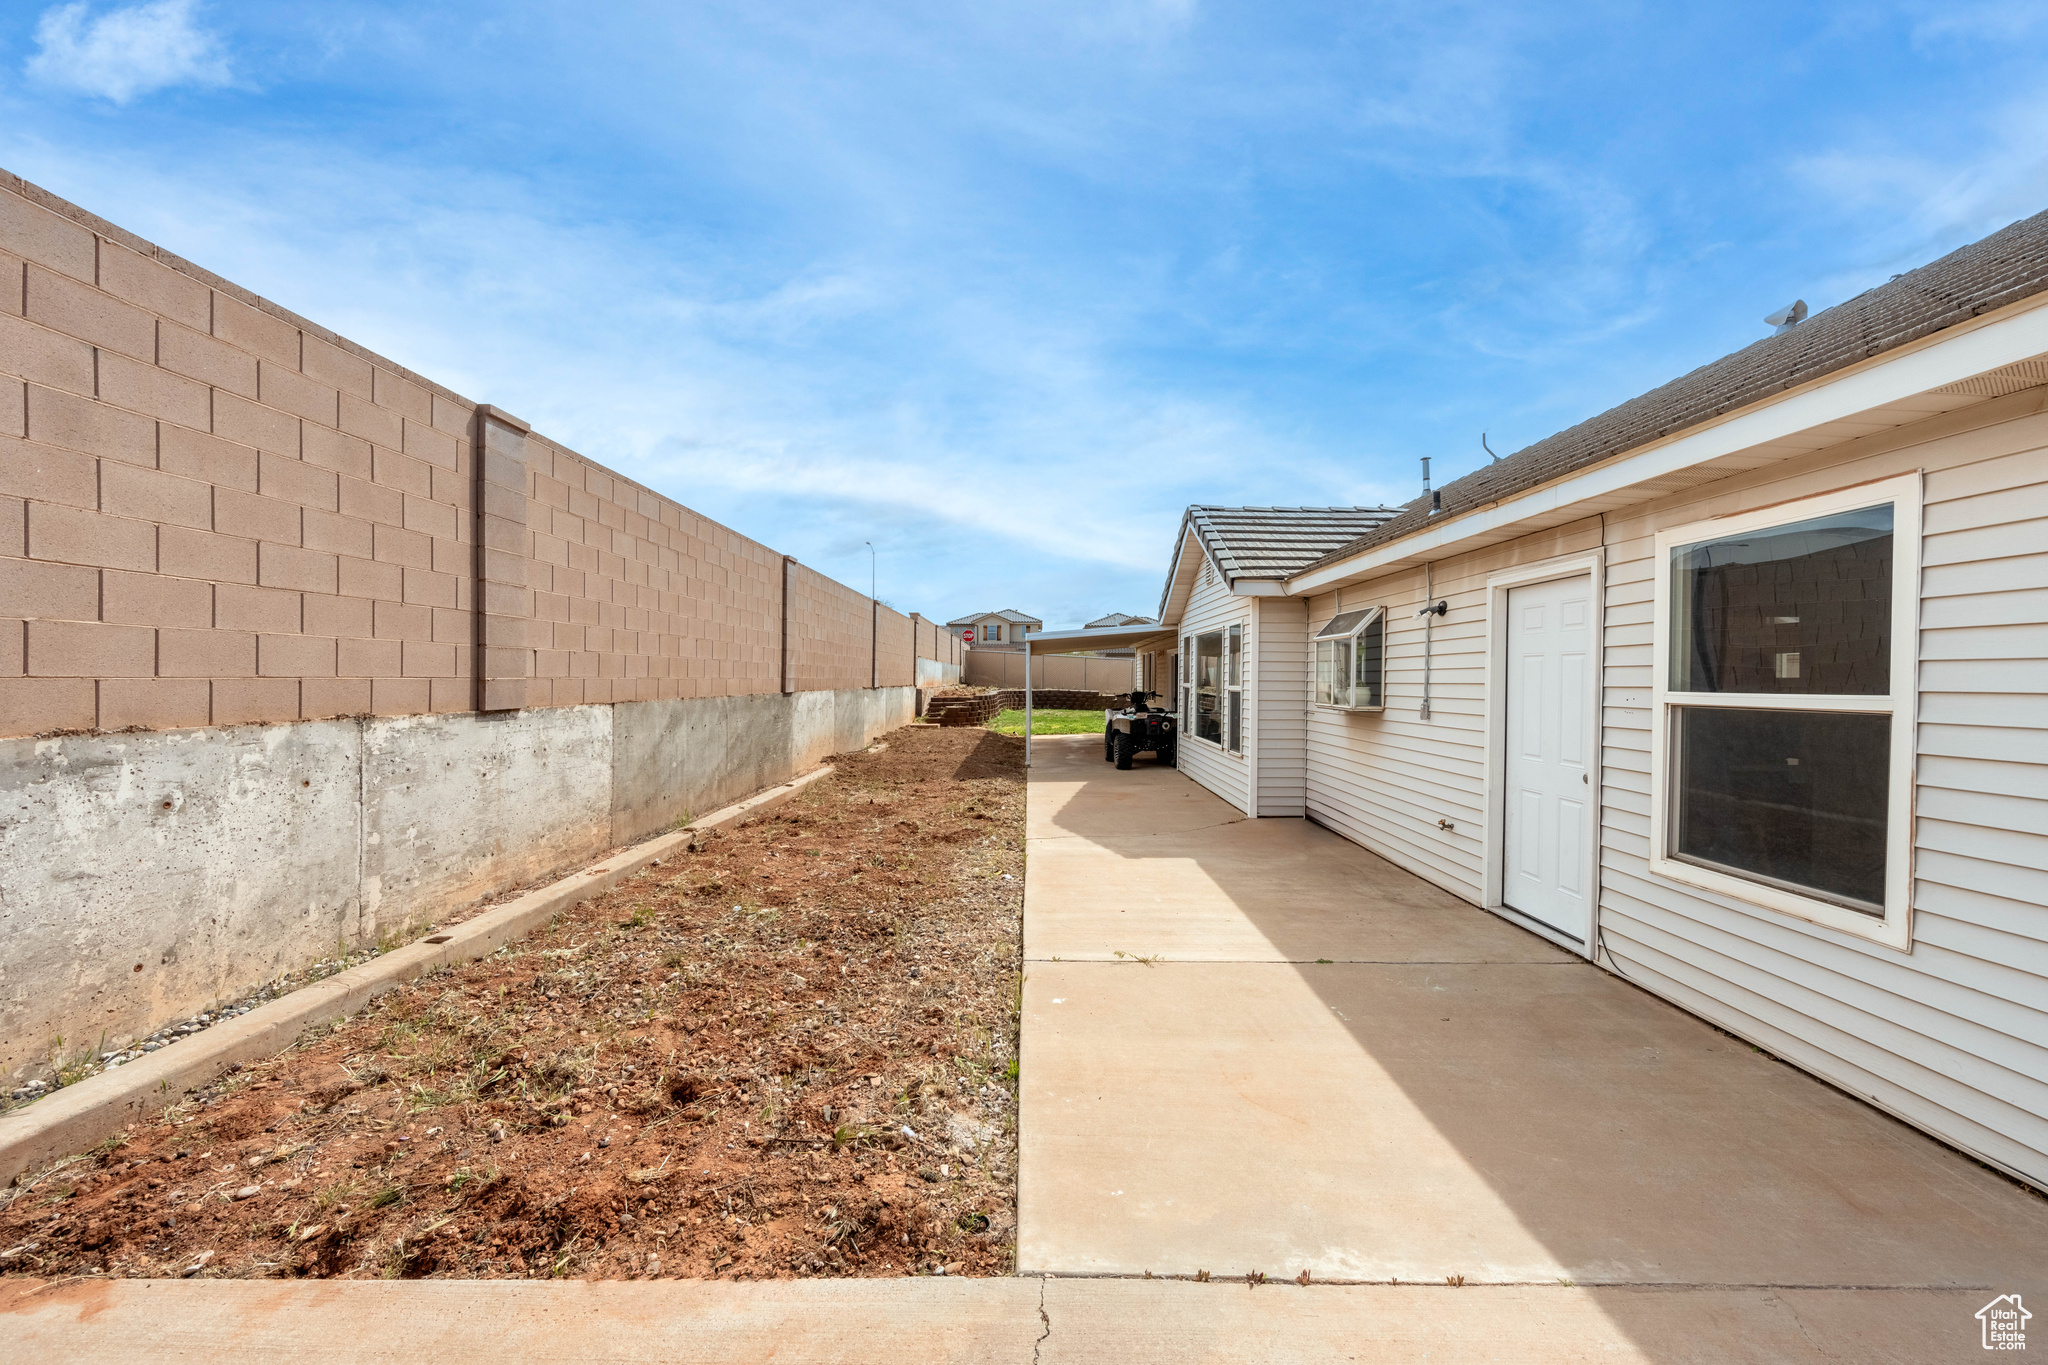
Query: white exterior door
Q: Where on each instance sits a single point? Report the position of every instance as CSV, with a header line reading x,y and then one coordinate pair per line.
x,y
1547,822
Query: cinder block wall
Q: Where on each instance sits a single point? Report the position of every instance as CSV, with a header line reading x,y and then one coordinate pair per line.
x,y
213,511
1069,672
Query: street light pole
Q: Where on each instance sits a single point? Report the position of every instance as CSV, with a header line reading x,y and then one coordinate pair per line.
x,y
871,566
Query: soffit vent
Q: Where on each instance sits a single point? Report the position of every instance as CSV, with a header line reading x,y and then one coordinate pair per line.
x,y
1997,383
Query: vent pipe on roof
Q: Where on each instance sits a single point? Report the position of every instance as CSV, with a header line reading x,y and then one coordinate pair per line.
x,y
1436,499
1788,317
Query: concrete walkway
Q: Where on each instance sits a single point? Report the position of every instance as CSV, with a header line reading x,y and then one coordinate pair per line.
x,y
1309,1060
962,1322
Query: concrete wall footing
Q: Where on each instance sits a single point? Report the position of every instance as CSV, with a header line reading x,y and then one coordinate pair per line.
x,y
147,876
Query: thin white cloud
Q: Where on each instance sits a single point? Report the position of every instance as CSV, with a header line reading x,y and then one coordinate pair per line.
x,y
126,53
1988,20
1919,205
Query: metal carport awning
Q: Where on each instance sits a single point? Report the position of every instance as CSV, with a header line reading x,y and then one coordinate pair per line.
x,y
1082,642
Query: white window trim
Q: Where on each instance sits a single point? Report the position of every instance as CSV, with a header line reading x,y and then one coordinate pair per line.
x,y
1190,720
1237,629
1386,620
1591,565
1894,930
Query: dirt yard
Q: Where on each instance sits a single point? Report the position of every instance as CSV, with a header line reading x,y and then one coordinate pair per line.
x,y
789,1052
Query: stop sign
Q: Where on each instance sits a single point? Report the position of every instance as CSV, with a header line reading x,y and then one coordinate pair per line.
x,y
968,635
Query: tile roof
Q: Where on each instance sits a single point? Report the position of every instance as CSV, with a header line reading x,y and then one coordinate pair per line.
x,y
2003,268
1273,542
1118,618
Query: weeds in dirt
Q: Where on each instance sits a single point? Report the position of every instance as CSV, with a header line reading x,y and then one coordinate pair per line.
x,y
763,1081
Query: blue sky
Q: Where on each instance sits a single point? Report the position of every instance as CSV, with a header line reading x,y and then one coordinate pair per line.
x,y
1003,288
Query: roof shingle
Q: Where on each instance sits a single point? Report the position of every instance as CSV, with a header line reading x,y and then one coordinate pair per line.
x,y
1273,542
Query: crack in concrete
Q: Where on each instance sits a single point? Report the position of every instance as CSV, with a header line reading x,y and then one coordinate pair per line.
x,y
1043,1319
1677,1286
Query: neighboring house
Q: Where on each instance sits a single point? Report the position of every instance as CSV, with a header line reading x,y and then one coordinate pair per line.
x,y
1117,618
1739,689
1004,629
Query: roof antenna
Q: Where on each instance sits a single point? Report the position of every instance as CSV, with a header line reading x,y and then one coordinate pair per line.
x,y
1484,446
1788,317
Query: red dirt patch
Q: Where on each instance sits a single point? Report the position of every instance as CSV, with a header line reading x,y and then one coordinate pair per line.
x,y
709,1071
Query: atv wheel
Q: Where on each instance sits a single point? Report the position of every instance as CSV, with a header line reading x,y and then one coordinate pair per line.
x,y
1123,749
1108,743
1169,756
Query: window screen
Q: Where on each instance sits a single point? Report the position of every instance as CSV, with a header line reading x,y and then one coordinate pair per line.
x,y
1797,797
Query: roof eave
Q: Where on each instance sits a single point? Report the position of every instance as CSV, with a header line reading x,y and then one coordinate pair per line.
x,y
2016,332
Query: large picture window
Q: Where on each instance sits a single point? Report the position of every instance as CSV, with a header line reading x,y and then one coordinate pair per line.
x,y
1782,754
1209,687
1351,661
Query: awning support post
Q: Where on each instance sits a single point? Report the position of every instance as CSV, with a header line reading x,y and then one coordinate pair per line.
x,y
1027,701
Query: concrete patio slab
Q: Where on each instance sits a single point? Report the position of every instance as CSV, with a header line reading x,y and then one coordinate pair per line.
x,y
1050,1322
1227,1324
1250,891
1069,795
520,1322
1522,1123
1447,1096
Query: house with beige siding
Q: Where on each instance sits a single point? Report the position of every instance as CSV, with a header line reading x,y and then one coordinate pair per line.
x,y
1003,629
1739,690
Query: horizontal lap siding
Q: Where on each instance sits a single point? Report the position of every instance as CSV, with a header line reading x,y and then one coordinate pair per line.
x,y
1950,1036
1280,733
1386,779
1213,607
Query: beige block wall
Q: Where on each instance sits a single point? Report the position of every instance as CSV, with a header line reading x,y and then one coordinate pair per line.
x,y
213,511
1059,672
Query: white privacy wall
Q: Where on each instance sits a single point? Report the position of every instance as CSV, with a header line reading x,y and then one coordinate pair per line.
x,y
1952,1036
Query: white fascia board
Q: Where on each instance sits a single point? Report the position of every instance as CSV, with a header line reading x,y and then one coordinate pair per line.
x,y
1180,581
1259,587
2019,332
1098,637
